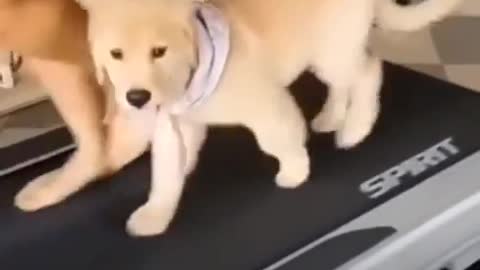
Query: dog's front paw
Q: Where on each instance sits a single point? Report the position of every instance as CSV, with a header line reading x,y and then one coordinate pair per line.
x,y
330,118
349,138
289,182
40,192
149,220
326,122
294,172
354,131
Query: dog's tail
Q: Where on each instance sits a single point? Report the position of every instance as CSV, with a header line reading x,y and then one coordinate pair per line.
x,y
393,16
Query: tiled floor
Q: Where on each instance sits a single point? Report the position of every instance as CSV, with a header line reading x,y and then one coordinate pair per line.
x,y
448,50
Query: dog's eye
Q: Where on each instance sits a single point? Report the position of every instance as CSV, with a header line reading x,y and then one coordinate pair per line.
x,y
116,54
158,52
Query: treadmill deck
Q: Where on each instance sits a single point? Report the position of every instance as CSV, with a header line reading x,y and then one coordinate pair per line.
x,y
233,217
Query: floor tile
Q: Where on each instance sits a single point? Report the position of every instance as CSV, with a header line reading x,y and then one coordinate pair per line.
x,y
465,75
457,40
469,8
434,70
409,48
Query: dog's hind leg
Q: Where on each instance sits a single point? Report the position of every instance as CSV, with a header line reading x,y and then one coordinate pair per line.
x,y
338,58
353,102
334,111
338,71
79,101
364,104
281,132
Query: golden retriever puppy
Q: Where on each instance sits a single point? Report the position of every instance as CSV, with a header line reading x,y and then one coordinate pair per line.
x,y
51,35
247,52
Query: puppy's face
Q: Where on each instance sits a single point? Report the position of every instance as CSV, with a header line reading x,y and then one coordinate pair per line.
x,y
146,48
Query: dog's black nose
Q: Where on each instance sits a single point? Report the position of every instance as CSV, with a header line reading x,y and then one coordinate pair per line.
x,y
138,97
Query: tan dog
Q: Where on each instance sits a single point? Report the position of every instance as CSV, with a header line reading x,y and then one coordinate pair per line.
x,y
51,36
148,48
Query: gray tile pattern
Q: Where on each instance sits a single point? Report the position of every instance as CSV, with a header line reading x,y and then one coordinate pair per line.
x,y
433,70
454,33
452,45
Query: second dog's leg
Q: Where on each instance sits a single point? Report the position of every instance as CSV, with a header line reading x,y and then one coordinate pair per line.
x,y
79,101
169,171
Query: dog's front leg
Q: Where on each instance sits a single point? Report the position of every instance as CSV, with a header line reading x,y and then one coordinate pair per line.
x,y
78,99
129,134
175,147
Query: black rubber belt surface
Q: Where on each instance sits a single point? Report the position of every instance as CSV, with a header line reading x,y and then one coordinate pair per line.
x,y
232,216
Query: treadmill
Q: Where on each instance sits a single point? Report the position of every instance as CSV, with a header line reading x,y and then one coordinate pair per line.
x,y
407,198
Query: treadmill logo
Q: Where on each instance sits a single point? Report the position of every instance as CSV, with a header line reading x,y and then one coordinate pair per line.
x,y
412,167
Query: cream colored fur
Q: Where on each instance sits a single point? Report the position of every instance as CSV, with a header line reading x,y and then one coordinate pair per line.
x,y
51,36
273,41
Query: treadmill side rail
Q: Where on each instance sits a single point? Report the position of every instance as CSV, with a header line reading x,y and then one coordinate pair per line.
x,y
425,241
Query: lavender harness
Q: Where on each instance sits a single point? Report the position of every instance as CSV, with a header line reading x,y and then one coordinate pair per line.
x,y
213,48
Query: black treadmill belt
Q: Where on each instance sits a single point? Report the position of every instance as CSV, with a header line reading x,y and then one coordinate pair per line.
x,y
232,216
